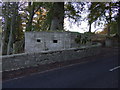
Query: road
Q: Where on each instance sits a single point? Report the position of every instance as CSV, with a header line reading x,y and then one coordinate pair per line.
x,y
100,73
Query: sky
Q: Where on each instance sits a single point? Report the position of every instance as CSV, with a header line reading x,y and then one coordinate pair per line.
x,y
81,28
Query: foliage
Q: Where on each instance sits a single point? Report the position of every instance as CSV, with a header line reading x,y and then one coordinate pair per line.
x,y
12,28
103,11
73,11
78,39
83,38
114,28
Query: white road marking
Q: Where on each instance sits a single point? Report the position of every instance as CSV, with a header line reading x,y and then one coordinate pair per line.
x,y
114,68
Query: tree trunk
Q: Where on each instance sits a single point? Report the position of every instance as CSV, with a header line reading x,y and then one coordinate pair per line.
x,y
108,33
109,22
29,24
58,16
12,29
10,42
90,27
5,33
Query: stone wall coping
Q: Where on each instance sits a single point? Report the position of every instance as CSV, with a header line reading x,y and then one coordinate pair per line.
x,y
7,56
48,32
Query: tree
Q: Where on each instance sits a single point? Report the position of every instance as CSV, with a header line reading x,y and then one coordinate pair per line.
x,y
118,19
100,11
12,28
11,33
58,16
74,11
44,17
33,8
6,30
55,14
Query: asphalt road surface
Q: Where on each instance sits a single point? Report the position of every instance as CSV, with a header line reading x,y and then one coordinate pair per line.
x,y
100,73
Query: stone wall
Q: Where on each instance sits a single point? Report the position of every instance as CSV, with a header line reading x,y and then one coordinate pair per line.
x,y
18,61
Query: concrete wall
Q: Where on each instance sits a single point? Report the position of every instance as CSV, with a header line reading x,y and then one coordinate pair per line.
x,y
42,41
18,61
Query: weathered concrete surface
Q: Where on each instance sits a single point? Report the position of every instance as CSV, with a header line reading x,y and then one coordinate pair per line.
x,y
18,61
45,41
